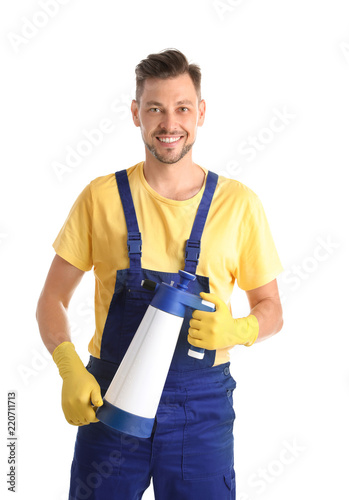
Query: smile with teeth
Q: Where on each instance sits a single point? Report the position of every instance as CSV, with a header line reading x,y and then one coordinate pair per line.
x,y
169,140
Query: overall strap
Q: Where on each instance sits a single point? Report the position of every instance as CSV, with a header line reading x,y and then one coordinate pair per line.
x,y
134,238
192,249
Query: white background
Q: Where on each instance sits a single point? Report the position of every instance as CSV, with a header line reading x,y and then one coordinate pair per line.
x,y
256,57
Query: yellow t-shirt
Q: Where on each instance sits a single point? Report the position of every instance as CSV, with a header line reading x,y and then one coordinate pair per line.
x,y
236,243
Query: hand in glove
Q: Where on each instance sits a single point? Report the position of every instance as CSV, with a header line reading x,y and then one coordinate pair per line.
x,y
80,388
218,329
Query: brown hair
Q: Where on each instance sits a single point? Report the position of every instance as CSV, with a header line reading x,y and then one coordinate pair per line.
x,y
168,63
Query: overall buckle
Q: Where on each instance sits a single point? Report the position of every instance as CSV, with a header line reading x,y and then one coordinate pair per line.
x,y
134,243
192,250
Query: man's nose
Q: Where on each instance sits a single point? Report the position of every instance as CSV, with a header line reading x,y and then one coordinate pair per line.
x,y
169,122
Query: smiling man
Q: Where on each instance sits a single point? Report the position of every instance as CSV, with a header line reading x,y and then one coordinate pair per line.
x,y
165,143
146,222
169,111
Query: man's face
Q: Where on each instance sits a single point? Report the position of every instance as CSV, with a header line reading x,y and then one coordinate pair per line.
x,y
169,115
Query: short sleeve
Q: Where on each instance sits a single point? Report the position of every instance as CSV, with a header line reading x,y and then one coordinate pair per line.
x,y
74,241
258,261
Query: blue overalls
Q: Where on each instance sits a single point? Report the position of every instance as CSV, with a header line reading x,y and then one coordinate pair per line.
x,y
190,452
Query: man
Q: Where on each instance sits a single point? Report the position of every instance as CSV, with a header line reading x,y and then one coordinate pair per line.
x,y
161,215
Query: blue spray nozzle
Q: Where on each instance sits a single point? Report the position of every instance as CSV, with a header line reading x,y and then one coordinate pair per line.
x,y
175,299
184,279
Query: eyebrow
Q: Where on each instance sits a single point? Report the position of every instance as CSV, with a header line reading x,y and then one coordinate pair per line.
x,y
178,103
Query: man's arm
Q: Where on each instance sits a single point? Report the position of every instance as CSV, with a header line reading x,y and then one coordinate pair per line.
x,y
81,393
51,313
219,330
265,304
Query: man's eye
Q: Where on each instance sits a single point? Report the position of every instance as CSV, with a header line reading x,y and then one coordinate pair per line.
x,y
184,109
154,110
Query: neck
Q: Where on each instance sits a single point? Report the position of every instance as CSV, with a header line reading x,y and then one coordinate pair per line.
x,y
176,181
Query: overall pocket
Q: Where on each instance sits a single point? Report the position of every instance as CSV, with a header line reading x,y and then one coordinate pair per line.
x,y
136,303
228,386
208,448
125,314
98,449
229,479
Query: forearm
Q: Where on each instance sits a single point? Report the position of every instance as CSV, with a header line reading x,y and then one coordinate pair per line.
x,y
269,315
53,322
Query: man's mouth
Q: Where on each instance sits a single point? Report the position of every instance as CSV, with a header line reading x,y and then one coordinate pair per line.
x,y
169,139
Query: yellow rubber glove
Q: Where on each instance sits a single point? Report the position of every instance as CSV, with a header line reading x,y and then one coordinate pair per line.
x,y
80,388
218,329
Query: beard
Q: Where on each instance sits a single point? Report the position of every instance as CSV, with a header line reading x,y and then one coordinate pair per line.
x,y
170,156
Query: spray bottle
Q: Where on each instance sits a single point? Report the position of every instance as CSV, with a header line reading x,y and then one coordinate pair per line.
x,y
131,401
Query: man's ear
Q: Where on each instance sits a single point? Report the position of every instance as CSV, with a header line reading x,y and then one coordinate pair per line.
x,y
135,113
202,111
